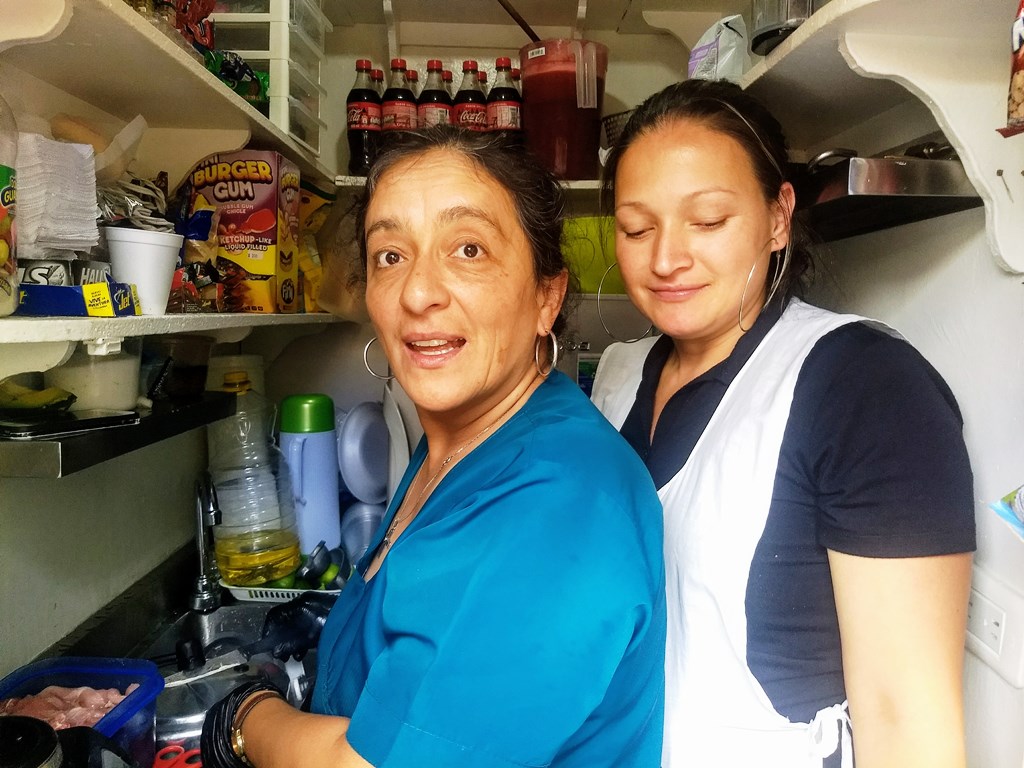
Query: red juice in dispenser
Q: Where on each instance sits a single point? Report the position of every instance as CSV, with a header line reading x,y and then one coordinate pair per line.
x,y
563,92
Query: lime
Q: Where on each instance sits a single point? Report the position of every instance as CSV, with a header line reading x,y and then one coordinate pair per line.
x,y
285,582
330,574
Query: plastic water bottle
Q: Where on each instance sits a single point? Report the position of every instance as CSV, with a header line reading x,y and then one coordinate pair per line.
x,y
310,446
8,188
256,540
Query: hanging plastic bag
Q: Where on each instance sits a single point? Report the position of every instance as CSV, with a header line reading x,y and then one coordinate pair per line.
x,y
721,53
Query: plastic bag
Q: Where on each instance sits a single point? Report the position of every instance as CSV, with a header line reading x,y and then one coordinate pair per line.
x,y
721,53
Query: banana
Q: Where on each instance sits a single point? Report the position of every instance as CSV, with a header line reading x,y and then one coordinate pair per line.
x,y
16,396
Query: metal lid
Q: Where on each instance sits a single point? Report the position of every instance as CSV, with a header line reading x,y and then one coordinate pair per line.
x,y
26,742
307,413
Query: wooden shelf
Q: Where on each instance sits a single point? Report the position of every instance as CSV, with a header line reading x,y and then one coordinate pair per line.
x,y
59,457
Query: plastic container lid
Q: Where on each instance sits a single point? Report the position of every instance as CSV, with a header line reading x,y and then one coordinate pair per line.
x,y
398,63
433,64
307,413
468,64
363,64
503,61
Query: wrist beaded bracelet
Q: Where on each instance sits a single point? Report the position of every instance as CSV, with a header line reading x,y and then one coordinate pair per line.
x,y
244,710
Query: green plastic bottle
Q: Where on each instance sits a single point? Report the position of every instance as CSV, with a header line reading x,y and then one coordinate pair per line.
x,y
8,187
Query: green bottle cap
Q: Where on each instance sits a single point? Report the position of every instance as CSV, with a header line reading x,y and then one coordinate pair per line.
x,y
307,413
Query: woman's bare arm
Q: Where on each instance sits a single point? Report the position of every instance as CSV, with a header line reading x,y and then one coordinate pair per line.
x,y
279,736
902,622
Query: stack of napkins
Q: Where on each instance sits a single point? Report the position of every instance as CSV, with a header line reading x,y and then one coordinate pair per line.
x,y
56,196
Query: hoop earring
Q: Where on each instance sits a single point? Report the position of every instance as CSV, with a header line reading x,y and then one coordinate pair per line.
x,y
600,316
554,355
366,362
743,297
780,272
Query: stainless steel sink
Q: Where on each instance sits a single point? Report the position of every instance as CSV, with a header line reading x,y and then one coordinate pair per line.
x,y
181,709
225,629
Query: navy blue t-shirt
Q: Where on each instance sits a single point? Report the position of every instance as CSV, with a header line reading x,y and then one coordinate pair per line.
x,y
872,463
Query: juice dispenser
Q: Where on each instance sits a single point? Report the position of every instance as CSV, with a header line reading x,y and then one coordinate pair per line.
x,y
563,90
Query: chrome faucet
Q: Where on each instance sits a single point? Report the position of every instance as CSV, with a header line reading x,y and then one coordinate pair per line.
x,y
205,596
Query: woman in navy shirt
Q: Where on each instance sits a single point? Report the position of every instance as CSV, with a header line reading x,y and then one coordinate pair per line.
x,y
817,492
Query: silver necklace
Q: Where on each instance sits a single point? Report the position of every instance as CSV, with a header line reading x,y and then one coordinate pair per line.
x,y
388,540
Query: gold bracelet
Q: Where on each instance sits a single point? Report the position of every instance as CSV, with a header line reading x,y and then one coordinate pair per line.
x,y
237,740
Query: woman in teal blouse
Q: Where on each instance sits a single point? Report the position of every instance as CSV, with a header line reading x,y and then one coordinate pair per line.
x,y
511,609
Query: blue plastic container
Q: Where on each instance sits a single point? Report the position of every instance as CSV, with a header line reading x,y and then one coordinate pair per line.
x,y
131,724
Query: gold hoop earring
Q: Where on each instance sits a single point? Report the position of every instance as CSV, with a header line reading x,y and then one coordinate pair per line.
x,y
366,362
600,316
554,354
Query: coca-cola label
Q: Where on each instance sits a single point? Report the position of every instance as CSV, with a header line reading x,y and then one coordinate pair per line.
x,y
398,116
434,114
364,116
504,116
471,116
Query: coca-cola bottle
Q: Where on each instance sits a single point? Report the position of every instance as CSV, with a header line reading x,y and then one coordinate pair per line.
x,y
378,80
517,79
482,77
364,121
413,77
398,105
434,104
449,84
470,104
504,104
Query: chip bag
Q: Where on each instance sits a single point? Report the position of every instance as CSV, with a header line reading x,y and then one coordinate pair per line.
x,y
1015,100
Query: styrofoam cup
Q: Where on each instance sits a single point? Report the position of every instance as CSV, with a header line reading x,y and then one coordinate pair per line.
x,y
147,259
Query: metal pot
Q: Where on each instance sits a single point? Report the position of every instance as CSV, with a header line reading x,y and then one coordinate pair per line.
x,y
775,20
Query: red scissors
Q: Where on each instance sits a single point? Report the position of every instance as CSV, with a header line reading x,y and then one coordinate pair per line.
x,y
176,756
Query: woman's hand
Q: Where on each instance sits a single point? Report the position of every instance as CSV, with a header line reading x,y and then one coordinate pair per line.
x,y
903,623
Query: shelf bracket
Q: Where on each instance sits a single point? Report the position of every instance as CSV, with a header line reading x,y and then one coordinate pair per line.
x,y
966,94
37,21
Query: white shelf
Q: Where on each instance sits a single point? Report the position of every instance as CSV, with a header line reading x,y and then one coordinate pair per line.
x,y
865,62
40,343
106,54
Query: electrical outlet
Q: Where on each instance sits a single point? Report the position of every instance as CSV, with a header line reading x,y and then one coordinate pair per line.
x,y
986,621
995,626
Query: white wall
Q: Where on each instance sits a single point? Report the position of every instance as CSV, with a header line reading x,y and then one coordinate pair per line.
x,y
937,283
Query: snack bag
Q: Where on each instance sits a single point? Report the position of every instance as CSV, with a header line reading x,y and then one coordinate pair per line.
x,y
1015,101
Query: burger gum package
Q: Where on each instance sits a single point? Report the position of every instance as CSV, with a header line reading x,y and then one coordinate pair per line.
x,y
1015,100
256,197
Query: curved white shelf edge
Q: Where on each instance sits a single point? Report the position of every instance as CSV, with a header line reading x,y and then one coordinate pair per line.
x,y
856,61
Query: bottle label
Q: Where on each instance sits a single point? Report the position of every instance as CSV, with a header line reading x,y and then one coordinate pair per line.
x,y
364,116
504,116
398,116
434,114
471,116
8,268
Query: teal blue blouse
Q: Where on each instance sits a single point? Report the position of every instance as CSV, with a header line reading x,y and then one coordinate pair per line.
x,y
520,619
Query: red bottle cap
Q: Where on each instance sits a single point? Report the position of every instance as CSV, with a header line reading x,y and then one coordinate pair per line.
x,y
433,64
468,65
377,74
515,73
363,64
481,76
413,75
503,62
398,63
447,75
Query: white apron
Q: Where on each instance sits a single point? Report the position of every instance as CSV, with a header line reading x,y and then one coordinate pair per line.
x,y
716,713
